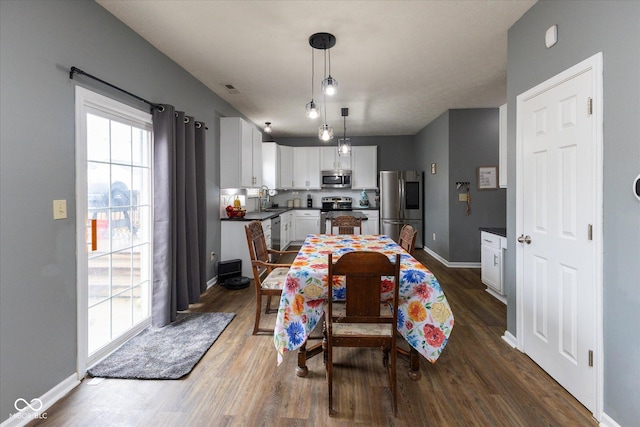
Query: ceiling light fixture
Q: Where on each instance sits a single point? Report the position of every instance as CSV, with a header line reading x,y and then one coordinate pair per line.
x,y
324,41
344,144
267,127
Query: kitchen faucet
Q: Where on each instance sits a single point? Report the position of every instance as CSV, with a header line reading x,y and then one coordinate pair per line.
x,y
264,198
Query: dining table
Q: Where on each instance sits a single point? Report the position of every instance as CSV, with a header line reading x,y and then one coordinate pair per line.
x,y
425,319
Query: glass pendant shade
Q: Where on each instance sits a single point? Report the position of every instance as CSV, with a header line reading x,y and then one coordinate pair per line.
x,y
344,146
325,132
329,86
312,110
267,127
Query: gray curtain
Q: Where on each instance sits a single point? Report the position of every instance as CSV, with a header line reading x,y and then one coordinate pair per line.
x,y
179,199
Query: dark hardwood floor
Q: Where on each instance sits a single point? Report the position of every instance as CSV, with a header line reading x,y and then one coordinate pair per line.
x,y
478,381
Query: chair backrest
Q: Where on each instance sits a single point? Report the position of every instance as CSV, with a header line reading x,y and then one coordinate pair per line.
x,y
364,271
407,238
257,247
346,224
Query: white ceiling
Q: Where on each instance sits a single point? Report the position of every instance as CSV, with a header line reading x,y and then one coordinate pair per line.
x,y
399,64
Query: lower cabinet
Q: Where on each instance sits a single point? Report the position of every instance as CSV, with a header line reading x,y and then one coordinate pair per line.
x,y
491,256
372,224
305,222
286,229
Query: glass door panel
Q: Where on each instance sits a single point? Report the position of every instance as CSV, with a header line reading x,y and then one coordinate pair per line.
x,y
118,225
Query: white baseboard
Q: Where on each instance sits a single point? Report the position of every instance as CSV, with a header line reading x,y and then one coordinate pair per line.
x,y
501,298
212,282
510,339
607,421
451,264
24,417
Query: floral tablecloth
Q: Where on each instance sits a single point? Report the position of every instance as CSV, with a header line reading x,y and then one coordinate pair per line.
x,y
425,319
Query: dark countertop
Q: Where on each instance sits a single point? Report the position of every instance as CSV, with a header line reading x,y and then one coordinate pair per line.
x,y
334,214
495,230
274,212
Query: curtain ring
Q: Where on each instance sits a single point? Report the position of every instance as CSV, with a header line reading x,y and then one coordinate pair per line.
x,y
186,119
161,108
198,125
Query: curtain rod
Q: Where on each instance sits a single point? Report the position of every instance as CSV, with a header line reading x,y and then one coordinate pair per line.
x,y
75,70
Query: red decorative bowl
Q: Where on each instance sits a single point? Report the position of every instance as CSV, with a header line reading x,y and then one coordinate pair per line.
x,y
236,214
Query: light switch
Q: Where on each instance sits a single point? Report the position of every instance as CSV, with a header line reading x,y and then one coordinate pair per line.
x,y
59,209
462,197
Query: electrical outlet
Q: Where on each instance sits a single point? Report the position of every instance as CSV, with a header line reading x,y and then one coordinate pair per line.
x,y
213,256
462,197
434,237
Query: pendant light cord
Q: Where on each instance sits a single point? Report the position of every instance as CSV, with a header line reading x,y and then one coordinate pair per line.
x,y
313,67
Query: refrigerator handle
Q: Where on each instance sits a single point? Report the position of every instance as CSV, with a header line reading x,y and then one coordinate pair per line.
x,y
401,181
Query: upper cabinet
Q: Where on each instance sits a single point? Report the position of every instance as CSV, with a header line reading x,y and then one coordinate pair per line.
x,y
285,154
502,165
270,165
364,170
331,159
306,168
240,154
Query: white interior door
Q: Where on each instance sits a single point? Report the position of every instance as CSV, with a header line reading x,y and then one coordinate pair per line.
x,y
560,226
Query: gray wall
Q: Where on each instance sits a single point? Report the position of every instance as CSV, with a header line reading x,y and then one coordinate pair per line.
x,y
394,152
585,28
473,142
39,42
433,147
459,141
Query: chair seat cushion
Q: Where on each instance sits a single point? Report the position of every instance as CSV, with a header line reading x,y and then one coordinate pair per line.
x,y
275,280
372,329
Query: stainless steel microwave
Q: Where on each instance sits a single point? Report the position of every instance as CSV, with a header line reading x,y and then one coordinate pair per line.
x,y
340,178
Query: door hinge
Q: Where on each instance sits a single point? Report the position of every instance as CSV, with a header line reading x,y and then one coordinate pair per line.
x,y
590,105
590,232
591,358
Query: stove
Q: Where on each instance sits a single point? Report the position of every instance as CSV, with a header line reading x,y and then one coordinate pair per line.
x,y
336,204
333,204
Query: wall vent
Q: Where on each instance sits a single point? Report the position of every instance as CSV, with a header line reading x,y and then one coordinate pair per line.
x,y
231,89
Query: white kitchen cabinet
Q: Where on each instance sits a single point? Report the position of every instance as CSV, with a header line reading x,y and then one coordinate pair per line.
x,y
285,154
372,224
240,154
270,165
286,229
502,138
306,222
364,167
330,159
306,168
491,256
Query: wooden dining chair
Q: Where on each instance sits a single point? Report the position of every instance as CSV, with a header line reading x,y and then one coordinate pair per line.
x,y
408,238
363,320
346,224
268,277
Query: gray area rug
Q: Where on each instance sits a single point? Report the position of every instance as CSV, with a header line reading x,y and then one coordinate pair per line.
x,y
165,353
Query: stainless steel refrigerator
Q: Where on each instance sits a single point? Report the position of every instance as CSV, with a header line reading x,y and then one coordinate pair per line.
x,y
401,203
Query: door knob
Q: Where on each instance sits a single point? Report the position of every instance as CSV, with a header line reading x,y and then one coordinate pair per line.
x,y
524,239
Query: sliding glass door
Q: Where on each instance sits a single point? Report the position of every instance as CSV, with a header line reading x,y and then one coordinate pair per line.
x,y
114,223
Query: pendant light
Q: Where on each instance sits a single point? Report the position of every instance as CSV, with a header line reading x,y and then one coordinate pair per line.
x,y
267,127
329,84
344,144
311,109
325,132
324,41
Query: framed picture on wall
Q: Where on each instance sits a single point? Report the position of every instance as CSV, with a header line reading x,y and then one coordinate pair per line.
x,y
487,177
